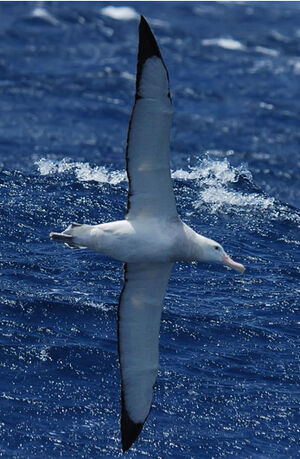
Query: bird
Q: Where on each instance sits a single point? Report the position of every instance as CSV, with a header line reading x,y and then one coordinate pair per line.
x,y
150,239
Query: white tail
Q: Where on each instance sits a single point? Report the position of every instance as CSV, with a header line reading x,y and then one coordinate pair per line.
x,y
71,236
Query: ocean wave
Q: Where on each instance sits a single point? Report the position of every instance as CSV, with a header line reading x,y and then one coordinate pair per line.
x,y
211,171
266,51
235,45
121,13
83,171
226,43
42,14
220,198
220,186
208,171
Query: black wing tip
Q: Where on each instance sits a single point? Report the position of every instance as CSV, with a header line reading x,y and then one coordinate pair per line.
x,y
129,430
143,21
130,435
148,46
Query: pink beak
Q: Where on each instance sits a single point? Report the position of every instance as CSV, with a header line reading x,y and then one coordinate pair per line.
x,y
227,261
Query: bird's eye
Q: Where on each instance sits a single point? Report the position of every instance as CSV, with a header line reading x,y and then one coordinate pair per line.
x,y
217,247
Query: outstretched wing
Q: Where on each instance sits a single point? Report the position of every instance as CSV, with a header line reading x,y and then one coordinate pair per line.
x,y
147,154
139,318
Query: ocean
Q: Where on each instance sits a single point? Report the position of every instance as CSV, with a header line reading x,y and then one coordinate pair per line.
x,y
228,383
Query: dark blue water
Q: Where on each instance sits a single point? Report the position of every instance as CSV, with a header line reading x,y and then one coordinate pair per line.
x,y
228,384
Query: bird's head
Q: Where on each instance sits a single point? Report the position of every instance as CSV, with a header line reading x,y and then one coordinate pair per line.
x,y
213,252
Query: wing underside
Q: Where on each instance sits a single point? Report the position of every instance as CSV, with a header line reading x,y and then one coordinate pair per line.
x,y
147,153
150,194
139,319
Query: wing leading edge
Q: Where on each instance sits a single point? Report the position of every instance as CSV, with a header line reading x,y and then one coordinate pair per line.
x,y
139,317
147,153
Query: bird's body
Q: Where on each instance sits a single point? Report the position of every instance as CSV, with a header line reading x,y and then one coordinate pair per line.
x,y
149,240
141,240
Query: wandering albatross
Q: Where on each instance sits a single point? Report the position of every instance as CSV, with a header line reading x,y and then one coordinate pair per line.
x,y
150,239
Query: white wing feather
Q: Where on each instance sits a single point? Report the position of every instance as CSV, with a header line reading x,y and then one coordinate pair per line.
x,y
148,158
139,323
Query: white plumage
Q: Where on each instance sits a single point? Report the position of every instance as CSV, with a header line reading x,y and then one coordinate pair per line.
x,y
150,239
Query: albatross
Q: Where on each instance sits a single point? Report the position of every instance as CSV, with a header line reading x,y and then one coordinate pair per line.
x,y
150,239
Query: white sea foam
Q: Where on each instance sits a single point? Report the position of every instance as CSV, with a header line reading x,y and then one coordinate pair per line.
x,y
266,51
220,198
214,180
41,13
128,76
181,174
83,171
121,13
295,64
226,43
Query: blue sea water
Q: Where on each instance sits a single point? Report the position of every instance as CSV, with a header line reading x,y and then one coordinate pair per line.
x,y
228,383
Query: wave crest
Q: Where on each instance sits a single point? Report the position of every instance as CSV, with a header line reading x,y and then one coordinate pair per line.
x,y
219,186
83,171
222,186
